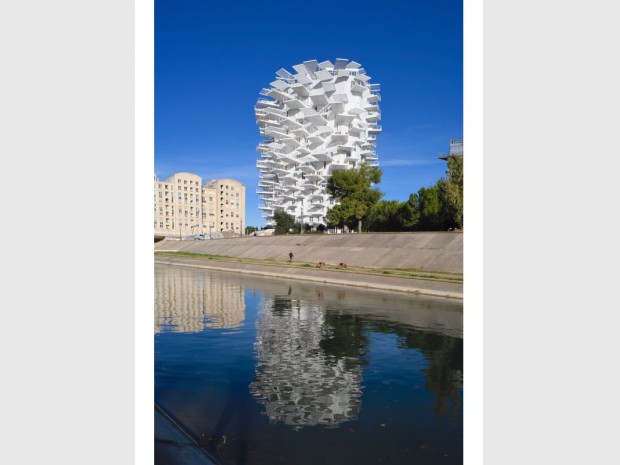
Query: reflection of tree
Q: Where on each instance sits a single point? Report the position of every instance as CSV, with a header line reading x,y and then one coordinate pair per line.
x,y
344,339
297,382
444,374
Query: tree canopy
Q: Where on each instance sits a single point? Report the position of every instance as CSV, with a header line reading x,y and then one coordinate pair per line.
x,y
353,191
284,222
452,191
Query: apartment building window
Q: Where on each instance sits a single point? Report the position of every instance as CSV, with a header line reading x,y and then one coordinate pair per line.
x,y
161,224
184,181
160,186
166,186
232,188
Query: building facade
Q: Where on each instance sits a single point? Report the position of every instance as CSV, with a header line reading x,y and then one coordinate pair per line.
x,y
185,207
321,119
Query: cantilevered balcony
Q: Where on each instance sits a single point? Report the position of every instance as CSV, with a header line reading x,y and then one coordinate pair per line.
x,y
318,97
294,104
339,136
301,90
357,86
261,103
315,119
322,156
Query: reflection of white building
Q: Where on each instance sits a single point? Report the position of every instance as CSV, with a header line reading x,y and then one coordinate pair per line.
x,y
192,302
294,380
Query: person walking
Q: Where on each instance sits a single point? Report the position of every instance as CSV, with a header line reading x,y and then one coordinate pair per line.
x,y
290,256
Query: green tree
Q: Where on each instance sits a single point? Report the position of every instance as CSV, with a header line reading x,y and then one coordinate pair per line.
x,y
353,191
409,215
452,192
384,216
430,208
284,222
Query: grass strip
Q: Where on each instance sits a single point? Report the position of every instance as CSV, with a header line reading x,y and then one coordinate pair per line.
x,y
399,272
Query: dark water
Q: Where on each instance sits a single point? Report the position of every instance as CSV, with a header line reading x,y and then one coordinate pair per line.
x,y
266,371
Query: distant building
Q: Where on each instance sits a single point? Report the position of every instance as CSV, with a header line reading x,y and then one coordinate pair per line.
x,y
320,119
456,148
184,207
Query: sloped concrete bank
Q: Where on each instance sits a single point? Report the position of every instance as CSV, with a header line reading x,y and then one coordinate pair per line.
x,y
431,251
344,278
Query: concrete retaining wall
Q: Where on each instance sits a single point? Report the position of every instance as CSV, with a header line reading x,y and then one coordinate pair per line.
x,y
432,251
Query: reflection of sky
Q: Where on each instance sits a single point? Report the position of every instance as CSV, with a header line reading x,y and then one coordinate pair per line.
x,y
190,302
294,380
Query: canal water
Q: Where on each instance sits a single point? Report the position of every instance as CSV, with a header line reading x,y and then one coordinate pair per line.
x,y
265,371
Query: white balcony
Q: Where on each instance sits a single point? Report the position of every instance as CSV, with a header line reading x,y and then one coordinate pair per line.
x,y
300,90
322,156
357,86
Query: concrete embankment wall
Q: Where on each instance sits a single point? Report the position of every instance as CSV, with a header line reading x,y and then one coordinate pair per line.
x,y
432,251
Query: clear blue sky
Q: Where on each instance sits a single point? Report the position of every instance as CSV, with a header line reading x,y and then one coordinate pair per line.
x,y
213,58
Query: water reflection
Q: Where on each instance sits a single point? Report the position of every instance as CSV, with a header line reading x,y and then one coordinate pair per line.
x,y
188,302
310,350
296,380
373,377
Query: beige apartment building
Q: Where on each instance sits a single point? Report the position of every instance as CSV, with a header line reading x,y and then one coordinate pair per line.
x,y
185,207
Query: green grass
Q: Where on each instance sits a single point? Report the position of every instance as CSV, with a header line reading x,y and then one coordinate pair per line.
x,y
400,272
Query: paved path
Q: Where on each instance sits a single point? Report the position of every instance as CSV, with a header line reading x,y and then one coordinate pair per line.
x,y
341,277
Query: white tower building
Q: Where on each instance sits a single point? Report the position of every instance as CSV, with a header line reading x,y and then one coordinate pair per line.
x,y
321,119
